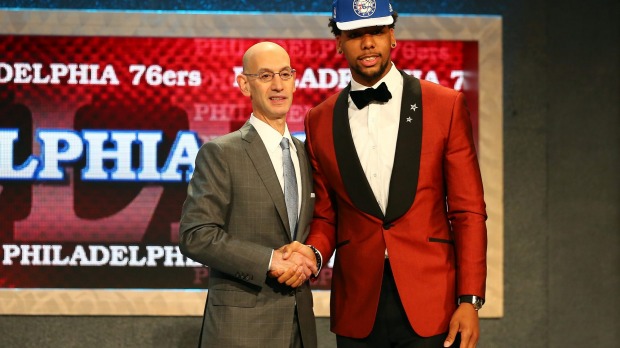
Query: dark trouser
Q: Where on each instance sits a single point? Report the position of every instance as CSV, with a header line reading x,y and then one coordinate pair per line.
x,y
296,341
392,328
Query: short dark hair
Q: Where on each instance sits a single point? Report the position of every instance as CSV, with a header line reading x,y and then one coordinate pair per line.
x,y
336,31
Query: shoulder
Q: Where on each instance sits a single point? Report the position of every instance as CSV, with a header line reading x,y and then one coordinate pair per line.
x,y
321,116
226,142
230,138
437,90
429,87
298,142
325,106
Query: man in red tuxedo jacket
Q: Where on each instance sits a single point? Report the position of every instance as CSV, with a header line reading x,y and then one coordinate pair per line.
x,y
398,195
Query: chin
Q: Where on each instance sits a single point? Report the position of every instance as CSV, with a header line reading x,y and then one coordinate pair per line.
x,y
280,111
371,73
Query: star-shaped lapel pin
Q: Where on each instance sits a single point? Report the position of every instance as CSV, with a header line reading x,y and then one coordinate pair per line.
x,y
414,107
409,119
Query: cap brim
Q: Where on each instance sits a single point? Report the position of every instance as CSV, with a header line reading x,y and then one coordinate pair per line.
x,y
363,23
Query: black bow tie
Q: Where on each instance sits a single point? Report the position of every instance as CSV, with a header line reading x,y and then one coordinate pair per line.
x,y
364,97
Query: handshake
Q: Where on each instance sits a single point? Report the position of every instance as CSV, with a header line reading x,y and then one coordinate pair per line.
x,y
293,264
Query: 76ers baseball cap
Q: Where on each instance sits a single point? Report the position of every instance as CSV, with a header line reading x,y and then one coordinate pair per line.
x,y
355,14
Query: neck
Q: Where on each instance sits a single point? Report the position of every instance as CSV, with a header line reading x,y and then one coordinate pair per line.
x,y
278,124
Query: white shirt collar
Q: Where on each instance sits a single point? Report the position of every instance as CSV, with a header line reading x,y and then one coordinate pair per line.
x,y
271,137
393,79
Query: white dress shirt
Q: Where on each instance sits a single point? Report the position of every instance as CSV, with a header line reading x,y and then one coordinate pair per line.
x,y
271,138
375,130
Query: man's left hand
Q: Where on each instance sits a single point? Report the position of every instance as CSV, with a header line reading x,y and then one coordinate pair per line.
x,y
464,321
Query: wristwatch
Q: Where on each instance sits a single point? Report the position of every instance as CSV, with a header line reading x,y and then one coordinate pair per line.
x,y
476,301
317,255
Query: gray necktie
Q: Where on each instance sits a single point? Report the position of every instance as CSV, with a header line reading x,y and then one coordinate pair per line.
x,y
290,185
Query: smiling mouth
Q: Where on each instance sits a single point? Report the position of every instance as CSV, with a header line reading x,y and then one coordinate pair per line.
x,y
369,60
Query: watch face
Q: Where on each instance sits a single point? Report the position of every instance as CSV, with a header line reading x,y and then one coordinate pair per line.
x,y
479,302
476,301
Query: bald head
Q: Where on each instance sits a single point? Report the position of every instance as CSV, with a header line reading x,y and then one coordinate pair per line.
x,y
271,92
264,49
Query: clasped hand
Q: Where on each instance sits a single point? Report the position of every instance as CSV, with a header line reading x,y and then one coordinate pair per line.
x,y
293,264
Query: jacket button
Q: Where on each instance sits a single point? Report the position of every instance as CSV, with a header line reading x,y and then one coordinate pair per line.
x,y
387,226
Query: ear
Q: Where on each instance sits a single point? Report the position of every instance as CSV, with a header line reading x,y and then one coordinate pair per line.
x,y
338,45
244,85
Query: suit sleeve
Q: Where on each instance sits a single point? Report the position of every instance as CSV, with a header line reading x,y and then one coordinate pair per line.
x,y
203,235
465,200
323,226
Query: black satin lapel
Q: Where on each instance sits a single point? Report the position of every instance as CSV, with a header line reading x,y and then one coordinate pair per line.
x,y
404,181
257,151
351,171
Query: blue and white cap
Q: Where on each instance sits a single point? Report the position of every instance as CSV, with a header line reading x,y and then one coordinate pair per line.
x,y
355,14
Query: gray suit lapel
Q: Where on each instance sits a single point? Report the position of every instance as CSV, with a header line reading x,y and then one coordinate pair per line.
x,y
305,213
257,152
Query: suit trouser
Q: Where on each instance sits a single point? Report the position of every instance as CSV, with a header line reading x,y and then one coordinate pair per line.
x,y
296,341
391,327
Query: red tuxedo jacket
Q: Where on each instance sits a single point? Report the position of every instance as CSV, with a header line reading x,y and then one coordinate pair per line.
x,y
434,226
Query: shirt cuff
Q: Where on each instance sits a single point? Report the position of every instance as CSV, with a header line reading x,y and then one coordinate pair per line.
x,y
270,258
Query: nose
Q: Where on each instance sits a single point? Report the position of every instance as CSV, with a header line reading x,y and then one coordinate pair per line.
x,y
368,42
277,83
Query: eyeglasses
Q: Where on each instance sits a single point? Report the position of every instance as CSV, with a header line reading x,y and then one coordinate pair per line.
x,y
266,76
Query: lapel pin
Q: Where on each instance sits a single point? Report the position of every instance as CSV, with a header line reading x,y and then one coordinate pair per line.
x,y
414,107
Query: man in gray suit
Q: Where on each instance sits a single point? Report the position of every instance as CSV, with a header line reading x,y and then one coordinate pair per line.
x,y
243,203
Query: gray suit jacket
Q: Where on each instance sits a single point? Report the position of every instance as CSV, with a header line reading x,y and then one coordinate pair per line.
x,y
233,217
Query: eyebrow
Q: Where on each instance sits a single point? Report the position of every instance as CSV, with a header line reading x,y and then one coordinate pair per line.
x,y
266,69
